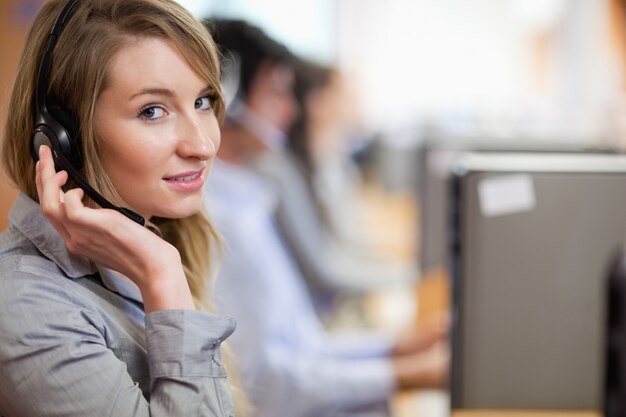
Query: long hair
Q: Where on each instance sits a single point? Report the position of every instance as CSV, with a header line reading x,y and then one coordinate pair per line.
x,y
96,31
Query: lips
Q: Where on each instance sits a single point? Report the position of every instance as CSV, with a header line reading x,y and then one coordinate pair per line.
x,y
186,181
183,178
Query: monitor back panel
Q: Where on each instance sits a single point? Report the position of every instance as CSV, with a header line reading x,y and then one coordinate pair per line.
x,y
529,286
435,160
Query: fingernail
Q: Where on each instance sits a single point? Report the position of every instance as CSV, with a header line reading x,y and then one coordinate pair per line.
x,y
40,149
37,165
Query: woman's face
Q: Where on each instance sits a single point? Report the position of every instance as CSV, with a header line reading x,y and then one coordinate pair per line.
x,y
159,132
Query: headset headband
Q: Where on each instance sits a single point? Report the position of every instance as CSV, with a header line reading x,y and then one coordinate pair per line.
x,y
46,60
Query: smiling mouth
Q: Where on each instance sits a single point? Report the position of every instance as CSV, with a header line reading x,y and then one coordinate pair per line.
x,y
184,178
186,181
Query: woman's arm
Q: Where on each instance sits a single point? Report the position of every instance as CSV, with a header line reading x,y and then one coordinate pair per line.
x,y
58,356
111,240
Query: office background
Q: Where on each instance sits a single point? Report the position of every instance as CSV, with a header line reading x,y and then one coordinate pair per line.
x,y
531,69
503,70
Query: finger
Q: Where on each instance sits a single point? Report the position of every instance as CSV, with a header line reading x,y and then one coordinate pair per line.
x,y
75,210
92,231
51,200
57,218
50,181
82,217
38,179
49,185
38,167
77,225
46,174
46,162
40,187
59,225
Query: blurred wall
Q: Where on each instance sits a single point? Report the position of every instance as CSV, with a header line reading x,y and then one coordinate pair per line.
x,y
15,19
517,66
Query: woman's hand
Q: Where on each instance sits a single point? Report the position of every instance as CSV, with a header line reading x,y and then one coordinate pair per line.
x,y
110,239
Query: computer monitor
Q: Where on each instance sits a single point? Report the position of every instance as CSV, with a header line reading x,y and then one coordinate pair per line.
x,y
531,238
435,159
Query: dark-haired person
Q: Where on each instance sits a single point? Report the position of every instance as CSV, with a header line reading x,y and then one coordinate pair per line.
x,y
290,365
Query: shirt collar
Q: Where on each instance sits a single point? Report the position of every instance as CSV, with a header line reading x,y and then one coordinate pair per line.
x,y
123,286
27,217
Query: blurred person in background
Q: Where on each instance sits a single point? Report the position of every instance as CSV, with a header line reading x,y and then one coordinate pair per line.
x,y
290,365
319,140
342,255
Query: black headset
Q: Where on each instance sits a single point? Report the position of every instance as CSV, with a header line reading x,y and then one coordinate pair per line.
x,y
58,128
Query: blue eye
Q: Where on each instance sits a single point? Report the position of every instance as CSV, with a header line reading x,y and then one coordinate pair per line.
x,y
152,113
204,103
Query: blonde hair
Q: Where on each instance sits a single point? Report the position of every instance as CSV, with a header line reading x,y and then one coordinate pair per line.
x,y
95,32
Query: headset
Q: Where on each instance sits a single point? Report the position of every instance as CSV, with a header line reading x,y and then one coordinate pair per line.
x,y
58,128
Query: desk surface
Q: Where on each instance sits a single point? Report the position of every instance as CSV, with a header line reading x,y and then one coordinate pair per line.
x,y
492,413
436,404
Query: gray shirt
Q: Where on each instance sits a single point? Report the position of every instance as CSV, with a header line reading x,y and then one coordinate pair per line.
x,y
75,341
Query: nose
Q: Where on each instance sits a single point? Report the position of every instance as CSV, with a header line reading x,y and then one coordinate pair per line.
x,y
199,137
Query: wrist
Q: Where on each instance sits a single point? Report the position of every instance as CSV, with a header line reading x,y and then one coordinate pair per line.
x,y
166,288
168,295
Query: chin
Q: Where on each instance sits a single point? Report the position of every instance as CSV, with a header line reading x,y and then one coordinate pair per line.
x,y
179,214
177,210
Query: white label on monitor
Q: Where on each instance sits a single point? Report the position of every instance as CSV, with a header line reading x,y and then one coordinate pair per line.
x,y
507,194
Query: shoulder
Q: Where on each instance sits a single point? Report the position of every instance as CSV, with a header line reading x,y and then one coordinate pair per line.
x,y
43,309
34,291
29,280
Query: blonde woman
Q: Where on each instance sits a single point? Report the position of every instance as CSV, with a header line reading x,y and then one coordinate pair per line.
x,y
101,316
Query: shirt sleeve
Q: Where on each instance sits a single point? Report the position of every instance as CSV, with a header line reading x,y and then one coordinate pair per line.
x,y
360,344
55,360
185,363
323,385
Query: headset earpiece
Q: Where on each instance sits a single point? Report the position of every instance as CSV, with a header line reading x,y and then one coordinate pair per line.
x,y
53,133
68,124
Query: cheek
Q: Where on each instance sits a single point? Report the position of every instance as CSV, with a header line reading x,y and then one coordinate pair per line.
x,y
130,156
122,156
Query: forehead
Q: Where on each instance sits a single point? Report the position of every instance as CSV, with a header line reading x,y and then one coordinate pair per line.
x,y
150,60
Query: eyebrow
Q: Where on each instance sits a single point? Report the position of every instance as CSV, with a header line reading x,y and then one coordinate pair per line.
x,y
153,91
208,90
166,92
